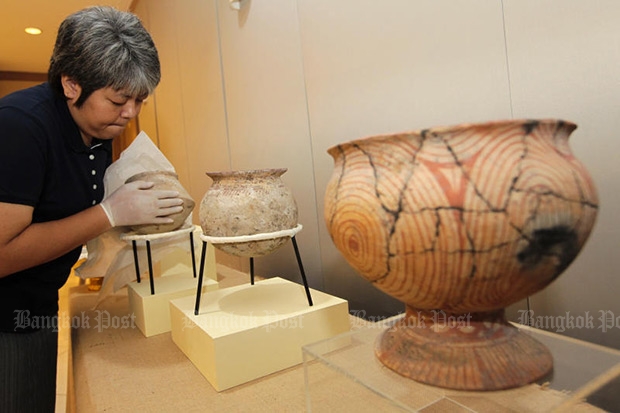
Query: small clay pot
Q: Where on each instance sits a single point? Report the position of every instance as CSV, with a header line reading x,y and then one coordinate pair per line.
x,y
164,180
248,203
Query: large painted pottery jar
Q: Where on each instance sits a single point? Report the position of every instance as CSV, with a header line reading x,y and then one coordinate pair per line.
x,y
458,223
164,180
247,203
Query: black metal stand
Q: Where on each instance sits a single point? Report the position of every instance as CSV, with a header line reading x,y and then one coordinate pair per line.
x,y
301,270
201,272
252,270
150,260
135,259
191,244
200,275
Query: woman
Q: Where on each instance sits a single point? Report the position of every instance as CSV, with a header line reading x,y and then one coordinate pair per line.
x,y
55,145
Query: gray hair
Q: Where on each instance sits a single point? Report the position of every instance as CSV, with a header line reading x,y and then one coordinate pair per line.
x,y
103,47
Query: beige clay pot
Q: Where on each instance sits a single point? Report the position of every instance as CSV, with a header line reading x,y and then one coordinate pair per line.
x,y
241,203
164,180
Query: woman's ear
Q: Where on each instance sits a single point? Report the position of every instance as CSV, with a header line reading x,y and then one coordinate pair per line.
x,y
71,88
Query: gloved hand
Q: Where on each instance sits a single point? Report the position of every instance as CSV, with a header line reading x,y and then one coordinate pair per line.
x,y
136,203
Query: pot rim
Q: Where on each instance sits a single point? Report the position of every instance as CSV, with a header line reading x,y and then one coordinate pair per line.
x,y
439,130
140,175
248,172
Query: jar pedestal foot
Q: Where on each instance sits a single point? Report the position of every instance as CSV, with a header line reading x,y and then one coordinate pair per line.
x,y
477,351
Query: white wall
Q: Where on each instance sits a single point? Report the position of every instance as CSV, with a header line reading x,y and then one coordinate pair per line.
x,y
266,110
186,116
564,58
280,81
373,68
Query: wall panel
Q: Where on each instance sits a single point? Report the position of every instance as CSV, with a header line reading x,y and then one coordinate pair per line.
x,y
564,58
162,16
10,86
375,67
267,115
202,94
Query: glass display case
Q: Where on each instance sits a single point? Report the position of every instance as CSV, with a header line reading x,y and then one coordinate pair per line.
x,y
586,377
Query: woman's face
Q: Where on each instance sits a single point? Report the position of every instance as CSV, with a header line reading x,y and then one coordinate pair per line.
x,y
105,113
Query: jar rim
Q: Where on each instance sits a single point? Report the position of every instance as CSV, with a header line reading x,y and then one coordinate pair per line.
x,y
443,130
247,173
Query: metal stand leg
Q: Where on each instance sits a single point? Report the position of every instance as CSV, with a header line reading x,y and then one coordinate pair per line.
x,y
252,270
135,259
148,254
201,273
191,245
301,269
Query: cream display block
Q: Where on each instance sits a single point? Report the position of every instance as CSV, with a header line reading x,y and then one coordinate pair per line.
x,y
246,332
179,260
152,311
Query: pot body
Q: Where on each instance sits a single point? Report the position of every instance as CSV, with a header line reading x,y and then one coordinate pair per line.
x,y
461,222
241,203
467,218
164,180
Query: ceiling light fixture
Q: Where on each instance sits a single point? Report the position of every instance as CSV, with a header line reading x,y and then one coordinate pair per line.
x,y
32,30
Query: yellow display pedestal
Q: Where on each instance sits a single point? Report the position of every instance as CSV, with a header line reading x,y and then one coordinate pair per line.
x,y
172,278
152,311
246,332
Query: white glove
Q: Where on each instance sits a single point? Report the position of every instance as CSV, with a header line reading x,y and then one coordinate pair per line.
x,y
136,203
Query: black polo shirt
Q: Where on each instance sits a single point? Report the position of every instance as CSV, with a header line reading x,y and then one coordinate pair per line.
x,y
44,163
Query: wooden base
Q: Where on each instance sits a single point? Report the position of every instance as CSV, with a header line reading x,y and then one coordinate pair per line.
x,y
479,351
